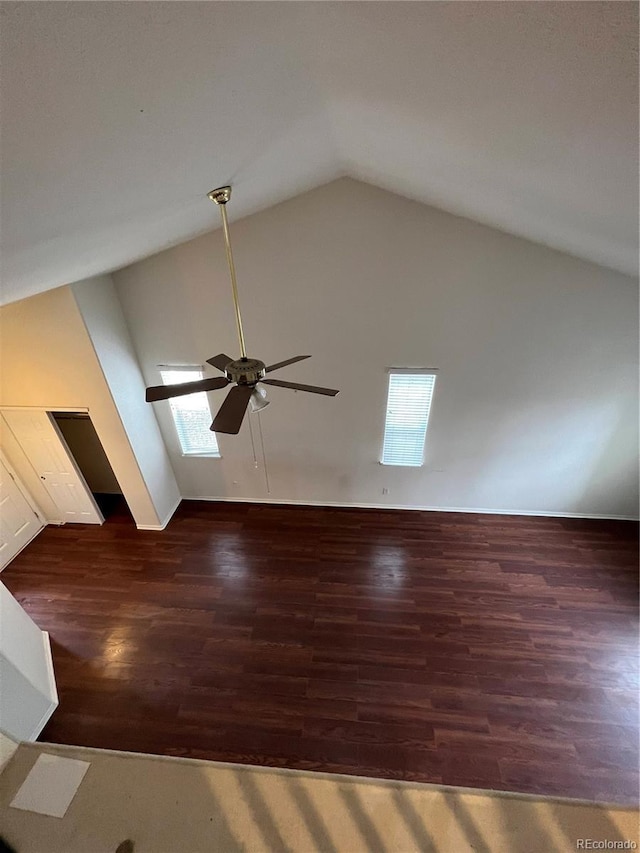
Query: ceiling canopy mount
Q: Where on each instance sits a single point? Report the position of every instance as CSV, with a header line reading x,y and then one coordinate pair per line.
x,y
221,195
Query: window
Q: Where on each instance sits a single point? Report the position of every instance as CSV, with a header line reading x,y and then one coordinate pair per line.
x,y
191,414
408,404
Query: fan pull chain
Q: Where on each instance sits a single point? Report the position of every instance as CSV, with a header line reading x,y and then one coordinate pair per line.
x,y
253,446
264,456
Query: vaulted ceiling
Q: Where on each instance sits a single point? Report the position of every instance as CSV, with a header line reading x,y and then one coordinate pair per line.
x,y
117,118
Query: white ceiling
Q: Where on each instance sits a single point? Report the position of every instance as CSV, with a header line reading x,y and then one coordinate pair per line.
x,y
119,117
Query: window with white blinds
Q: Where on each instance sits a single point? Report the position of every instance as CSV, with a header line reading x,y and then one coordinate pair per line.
x,y
191,414
407,418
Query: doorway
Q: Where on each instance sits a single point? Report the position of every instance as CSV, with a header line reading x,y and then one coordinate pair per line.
x,y
86,448
62,449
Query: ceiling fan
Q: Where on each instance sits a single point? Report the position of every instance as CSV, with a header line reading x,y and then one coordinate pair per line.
x,y
243,373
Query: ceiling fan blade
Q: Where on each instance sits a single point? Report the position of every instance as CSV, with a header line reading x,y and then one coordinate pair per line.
x,y
231,414
164,392
314,389
220,361
280,364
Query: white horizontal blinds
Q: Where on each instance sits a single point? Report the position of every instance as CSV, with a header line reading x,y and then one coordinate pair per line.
x,y
408,405
191,414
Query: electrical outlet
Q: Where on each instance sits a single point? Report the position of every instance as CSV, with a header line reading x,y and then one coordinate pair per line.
x,y
385,491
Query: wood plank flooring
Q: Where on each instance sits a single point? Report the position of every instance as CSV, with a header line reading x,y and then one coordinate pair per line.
x,y
479,650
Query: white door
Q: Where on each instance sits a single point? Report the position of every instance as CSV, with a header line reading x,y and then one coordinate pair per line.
x,y
45,448
18,520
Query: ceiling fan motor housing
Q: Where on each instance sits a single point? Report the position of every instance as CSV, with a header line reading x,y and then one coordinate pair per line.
x,y
245,371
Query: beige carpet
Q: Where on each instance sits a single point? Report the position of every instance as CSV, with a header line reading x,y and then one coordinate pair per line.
x,y
173,805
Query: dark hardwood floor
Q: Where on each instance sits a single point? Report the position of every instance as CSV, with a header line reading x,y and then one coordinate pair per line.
x,y
478,650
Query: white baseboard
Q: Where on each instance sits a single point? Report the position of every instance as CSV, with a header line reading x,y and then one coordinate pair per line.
x,y
165,522
478,510
53,690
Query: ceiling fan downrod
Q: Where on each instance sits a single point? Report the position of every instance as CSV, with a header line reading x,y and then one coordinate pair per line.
x,y
220,197
243,374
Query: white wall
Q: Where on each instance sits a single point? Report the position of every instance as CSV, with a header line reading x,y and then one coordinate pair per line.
x,y
48,361
28,696
535,408
102,314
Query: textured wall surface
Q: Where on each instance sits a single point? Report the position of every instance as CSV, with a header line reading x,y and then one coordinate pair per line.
x,y
535,407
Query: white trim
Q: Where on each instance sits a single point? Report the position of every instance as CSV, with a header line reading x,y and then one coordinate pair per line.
x,y
75,466
49,658
39,514
51,412
21,487
165,522
64,447
53,691
53,409
353,505
174,366
427,371
395,433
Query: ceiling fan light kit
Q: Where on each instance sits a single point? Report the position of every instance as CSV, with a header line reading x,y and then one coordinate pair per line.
x,y
258,400
243,373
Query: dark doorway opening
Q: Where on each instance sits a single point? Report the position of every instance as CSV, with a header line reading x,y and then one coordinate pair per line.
x,y
88,452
